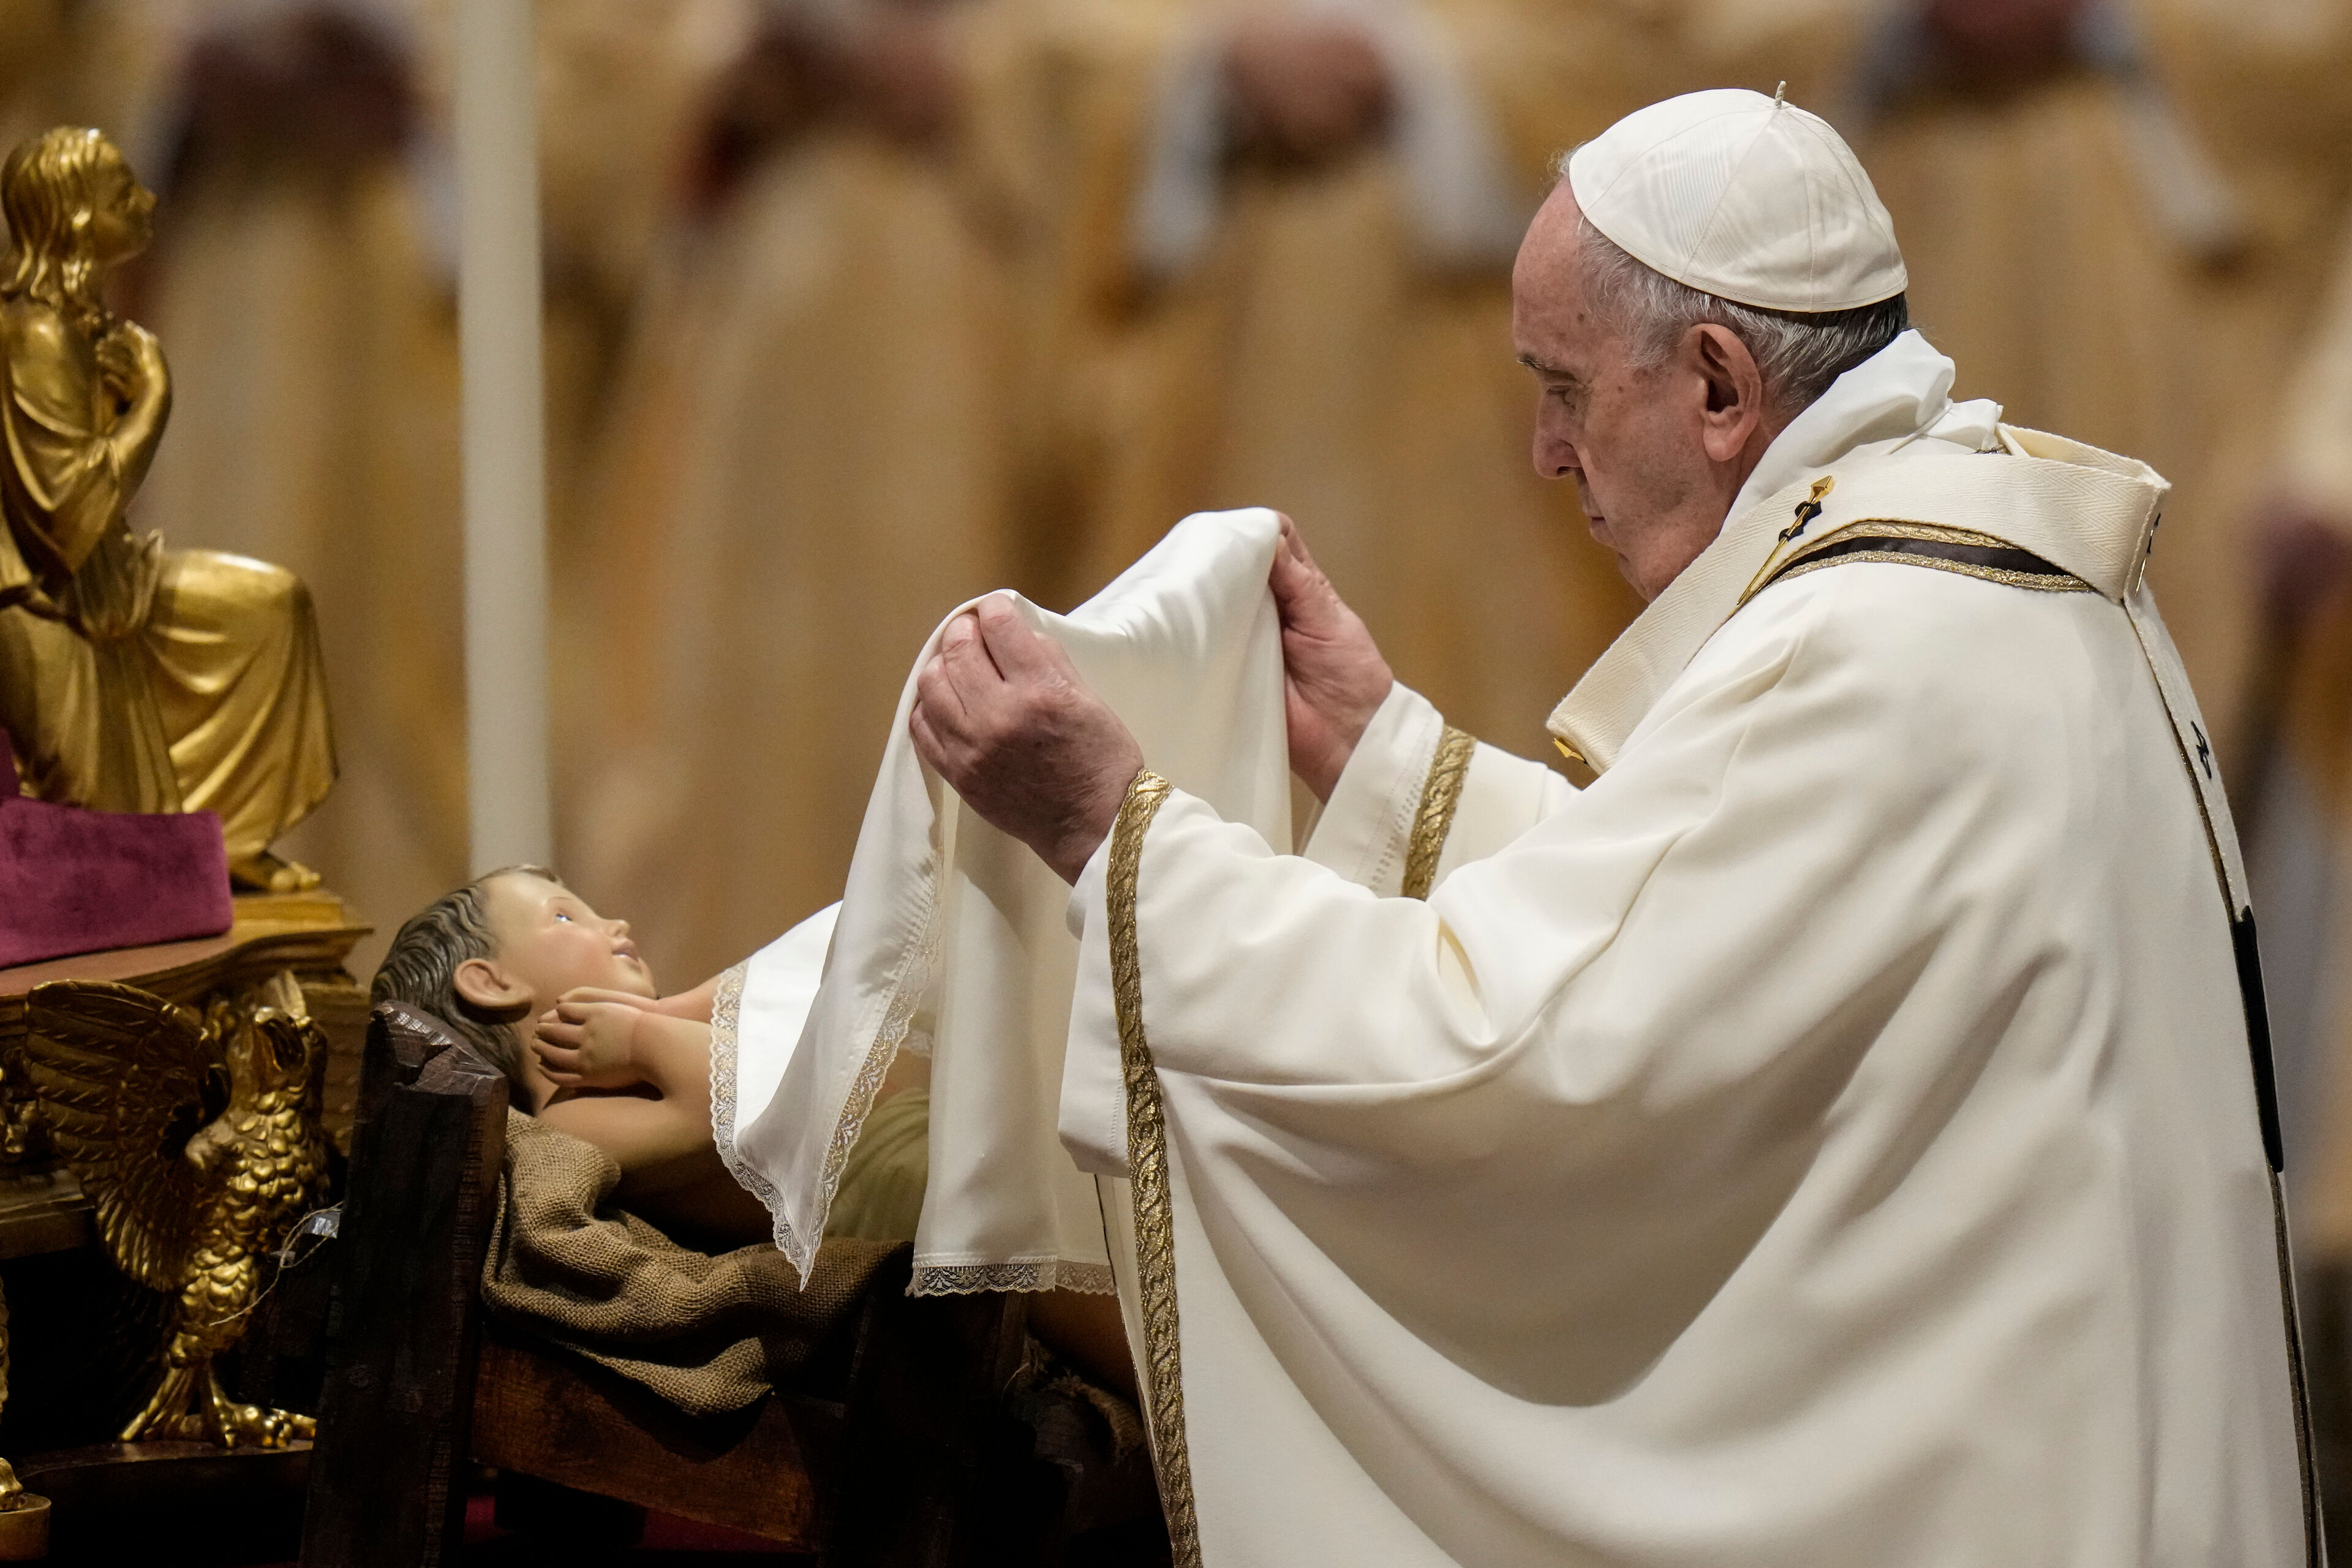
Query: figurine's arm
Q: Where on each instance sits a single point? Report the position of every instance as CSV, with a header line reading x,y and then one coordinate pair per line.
x,y
669,1056
644,1137
673,1055
82,443
131,359
694,1003
585,1042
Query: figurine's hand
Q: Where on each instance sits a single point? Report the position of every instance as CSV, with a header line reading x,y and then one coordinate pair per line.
x,y
1333,677
118,363
589,1045
130,362
692,1005
147,346
1001,714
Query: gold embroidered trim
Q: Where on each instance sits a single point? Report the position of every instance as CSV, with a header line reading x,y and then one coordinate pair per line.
x,y
1448,766
2052,582
1048,1274
1803,560
1894,528
1147,1164
2041,582
1932,532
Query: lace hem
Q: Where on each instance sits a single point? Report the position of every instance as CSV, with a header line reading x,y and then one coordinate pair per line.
x,y
898,1019
726,1033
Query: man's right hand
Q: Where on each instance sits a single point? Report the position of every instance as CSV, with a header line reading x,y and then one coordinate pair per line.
x,y
1334,679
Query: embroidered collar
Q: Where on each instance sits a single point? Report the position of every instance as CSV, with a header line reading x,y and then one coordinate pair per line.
x,y
1884,436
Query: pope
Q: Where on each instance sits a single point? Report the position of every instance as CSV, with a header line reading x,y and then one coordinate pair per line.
x,y
1841,1133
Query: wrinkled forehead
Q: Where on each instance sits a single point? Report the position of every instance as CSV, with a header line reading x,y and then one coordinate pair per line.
x,y
1548,307
1550,240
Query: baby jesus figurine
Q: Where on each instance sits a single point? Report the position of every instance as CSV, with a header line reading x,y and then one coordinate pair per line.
x,y
556,997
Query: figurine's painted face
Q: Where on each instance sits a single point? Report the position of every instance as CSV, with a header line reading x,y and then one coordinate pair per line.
x,y
122,211
550,941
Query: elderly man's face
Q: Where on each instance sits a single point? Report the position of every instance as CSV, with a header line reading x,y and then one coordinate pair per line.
x,y
1657,453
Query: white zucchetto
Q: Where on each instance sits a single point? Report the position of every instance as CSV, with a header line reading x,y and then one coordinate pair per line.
x,y
1743,196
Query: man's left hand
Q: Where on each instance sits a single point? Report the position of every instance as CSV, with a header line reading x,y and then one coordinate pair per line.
x,y
1001,715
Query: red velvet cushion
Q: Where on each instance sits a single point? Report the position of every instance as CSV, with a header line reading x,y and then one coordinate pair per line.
x,y
79,881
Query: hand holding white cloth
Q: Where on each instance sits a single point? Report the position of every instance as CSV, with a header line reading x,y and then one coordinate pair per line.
x,y
950,938
1002,716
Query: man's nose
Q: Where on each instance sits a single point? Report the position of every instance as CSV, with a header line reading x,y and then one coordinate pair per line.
x,y
1555,458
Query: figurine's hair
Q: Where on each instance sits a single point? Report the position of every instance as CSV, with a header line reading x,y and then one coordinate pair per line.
x,y
421,968
49,191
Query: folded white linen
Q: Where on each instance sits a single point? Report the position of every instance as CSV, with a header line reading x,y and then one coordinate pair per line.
x,y
951,938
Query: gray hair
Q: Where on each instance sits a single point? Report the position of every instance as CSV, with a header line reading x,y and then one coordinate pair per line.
x,y
421,968
1800,354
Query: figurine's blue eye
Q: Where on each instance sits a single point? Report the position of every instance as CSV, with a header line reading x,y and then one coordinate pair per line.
x,y
561,916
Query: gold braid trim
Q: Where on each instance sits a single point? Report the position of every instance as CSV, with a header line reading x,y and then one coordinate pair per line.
x,y
1147,1164
1448,766
2041,581
1811,558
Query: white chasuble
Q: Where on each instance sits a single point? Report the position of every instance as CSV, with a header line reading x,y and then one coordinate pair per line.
x,y
1831,1137
952,939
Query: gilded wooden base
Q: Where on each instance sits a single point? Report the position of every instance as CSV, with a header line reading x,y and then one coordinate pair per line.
x,y
25,1531
308,935
281,947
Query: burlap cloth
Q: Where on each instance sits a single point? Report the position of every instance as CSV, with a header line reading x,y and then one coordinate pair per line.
x,y
707,1334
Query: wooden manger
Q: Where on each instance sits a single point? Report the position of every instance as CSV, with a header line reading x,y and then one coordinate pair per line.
x,y
904,1451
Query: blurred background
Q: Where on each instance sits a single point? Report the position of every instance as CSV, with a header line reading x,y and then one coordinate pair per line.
x,y
855,308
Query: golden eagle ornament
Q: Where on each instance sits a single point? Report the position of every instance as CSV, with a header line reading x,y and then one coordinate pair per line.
x,y
197,1139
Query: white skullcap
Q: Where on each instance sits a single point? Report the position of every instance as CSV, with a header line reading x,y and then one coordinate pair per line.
x,y
1742,196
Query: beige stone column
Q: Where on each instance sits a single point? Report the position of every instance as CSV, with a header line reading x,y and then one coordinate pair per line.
x,y
505,434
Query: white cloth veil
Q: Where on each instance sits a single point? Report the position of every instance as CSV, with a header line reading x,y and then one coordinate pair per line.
x,y
952,939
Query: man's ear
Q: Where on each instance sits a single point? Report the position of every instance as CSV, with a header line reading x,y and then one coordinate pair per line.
x,y
1735,389
489,989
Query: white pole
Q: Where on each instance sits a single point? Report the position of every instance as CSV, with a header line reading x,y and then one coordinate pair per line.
x,y
505,434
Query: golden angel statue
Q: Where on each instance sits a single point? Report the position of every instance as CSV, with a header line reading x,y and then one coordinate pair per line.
x,y
198,1141
132,677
